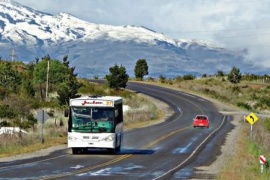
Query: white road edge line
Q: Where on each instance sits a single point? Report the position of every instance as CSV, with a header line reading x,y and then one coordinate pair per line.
x,y
193,153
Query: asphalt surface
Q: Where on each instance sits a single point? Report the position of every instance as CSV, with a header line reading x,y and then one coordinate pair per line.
x,y
168,150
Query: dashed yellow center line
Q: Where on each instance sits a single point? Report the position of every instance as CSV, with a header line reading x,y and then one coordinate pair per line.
x,y
122,157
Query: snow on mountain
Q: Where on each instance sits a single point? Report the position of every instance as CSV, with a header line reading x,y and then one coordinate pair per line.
x,y
19,21
93,48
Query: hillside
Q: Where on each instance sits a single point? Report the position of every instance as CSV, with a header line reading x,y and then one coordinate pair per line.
x,y
94,48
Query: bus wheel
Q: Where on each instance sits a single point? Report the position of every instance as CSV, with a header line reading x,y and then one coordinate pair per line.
x,y
75,150
112,150
84,150
118,148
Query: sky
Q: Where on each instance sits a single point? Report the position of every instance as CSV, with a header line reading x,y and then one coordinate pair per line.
x,y
238,25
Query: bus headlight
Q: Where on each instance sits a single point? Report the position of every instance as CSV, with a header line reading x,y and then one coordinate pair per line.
x,y
109,138
72,138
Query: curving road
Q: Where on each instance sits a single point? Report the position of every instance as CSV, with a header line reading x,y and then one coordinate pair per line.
x,y
169,150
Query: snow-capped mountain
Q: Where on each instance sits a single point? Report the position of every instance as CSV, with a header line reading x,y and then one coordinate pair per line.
x,y
93,48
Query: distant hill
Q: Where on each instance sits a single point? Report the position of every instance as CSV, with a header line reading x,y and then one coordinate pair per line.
x,y
93,48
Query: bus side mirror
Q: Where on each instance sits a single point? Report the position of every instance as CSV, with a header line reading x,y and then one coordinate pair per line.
x,y
66,113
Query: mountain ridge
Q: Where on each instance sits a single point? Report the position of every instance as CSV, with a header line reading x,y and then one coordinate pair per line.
x,y
93,48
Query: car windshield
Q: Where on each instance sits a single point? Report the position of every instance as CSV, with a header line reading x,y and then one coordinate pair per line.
x,y
201,117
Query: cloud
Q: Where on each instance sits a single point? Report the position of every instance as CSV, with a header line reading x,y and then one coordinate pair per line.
x,y
237,24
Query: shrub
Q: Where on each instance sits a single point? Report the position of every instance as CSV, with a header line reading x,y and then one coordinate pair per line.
x,y
235,89
151,79
188,77
244,105
162,79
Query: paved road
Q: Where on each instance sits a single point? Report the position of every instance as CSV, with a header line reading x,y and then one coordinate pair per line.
x,y
169,150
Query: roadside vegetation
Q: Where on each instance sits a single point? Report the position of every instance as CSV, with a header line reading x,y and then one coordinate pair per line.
x,y
25,89
55,128
250,93
48,84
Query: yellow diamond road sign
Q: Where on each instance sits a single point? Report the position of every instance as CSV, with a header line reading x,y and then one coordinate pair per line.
x,y
252,118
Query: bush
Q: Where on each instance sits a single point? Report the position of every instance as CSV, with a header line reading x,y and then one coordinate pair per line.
x,y
244,105
150,79
188,77
235,89
162,79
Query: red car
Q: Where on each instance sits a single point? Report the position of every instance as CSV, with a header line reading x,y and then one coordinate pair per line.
x,y
201,121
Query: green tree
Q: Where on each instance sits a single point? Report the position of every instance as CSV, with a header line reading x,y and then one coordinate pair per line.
x,y
57,74
27,85
188,77
9,77
220,73
234,76
141,69
17,111
118,77
6,112
69,88
27,88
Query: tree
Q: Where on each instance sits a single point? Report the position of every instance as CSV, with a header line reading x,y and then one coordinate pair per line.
x,y
141,69
220,73
118,77
234,76
189,77
6,112
69,88
9,77
27,88
58,73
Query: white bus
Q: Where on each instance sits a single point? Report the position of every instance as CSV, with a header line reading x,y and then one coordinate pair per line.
x,y
95,122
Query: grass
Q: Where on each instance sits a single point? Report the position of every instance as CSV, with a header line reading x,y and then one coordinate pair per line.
x,y
245,164
13,145
143,113
248,96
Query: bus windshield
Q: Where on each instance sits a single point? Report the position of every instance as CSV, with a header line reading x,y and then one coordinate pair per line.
x,y
92,119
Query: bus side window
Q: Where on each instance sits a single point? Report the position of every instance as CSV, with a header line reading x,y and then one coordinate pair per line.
x,y
118,113
66,112
110,116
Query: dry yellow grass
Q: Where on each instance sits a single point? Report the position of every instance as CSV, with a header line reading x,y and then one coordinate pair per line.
x,y
245,164
15,149
55,135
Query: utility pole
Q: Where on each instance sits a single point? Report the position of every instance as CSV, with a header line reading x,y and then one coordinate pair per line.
x,y
12,54
47,84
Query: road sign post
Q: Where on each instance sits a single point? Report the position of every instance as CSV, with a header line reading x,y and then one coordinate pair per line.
x,y
262,162
42,116
250,132
251,119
